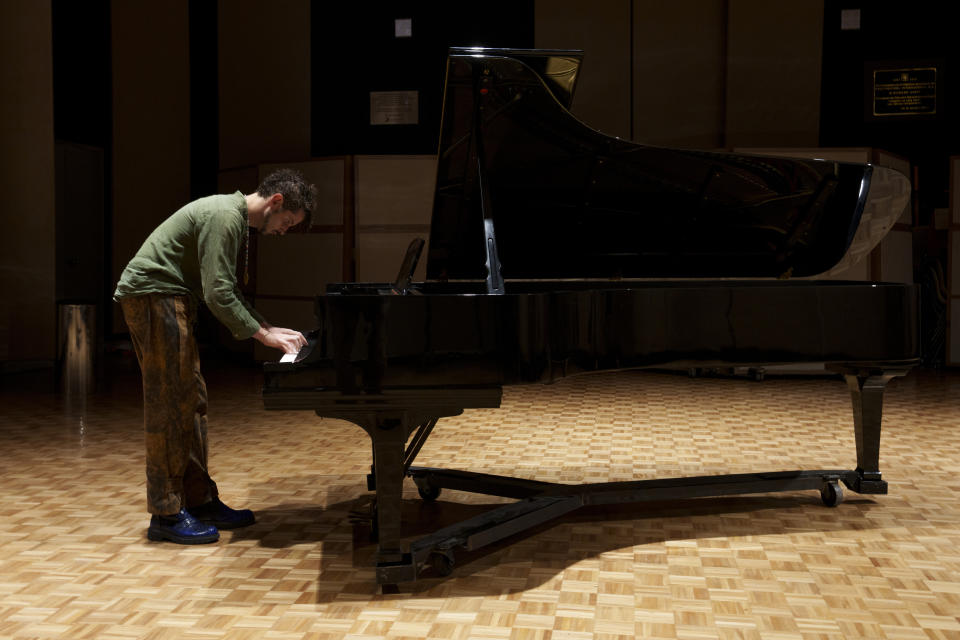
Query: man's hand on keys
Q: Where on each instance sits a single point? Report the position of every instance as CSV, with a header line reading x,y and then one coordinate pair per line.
x,y
287,340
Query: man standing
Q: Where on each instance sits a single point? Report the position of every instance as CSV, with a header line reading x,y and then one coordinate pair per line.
x,y
192,257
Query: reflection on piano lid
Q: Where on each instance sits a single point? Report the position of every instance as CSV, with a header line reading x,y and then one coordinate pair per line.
x,y
567,201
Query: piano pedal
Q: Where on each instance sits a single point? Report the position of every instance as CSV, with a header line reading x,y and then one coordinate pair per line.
x,y
365,517
357,517
364,512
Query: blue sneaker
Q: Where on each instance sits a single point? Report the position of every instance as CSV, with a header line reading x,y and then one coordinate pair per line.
x,y
181,528
221,516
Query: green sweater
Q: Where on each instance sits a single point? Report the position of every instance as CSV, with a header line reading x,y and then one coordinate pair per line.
x,y
194,252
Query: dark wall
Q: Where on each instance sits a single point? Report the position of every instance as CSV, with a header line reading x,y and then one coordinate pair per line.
x,y
893,35
83,128
204,99
354,52
81,72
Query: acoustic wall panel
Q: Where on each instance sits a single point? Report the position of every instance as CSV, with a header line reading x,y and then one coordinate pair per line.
x,y
953,355
897,163
896,256
263,53
955,262
603,31
379,256
955,189
27,254
678,71
953,266
394,190
243,179
773,72
298,264
394,203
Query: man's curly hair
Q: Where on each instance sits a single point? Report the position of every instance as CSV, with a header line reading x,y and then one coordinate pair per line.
x,y
296,191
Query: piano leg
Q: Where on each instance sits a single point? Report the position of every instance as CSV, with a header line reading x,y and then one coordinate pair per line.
x,y
389,433
388,448
389,417
866,393
389,436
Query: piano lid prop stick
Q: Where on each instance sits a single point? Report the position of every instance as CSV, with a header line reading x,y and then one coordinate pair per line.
x,y
494,275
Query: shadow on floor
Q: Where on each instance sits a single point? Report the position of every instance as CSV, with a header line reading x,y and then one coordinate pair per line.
x,y
342,532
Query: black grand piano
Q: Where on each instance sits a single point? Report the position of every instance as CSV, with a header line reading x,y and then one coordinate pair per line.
x,y
556,250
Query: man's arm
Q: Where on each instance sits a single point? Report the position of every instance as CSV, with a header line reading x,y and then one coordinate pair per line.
x,y
287,340
256,315
218,247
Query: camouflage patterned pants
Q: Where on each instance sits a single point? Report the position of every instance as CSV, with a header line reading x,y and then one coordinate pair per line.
x,y
174,401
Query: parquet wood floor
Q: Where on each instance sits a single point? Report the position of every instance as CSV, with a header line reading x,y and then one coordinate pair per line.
x,y
75,562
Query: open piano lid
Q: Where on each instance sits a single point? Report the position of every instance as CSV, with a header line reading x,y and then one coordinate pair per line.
x,y
567,201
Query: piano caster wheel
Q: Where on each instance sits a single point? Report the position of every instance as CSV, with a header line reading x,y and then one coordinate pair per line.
x,y
831,493
443,562
429,493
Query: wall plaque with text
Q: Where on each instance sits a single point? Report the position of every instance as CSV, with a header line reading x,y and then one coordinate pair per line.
x,y
905,92
394,107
